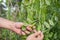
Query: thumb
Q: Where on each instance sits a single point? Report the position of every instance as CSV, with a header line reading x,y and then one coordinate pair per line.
x,y
37,33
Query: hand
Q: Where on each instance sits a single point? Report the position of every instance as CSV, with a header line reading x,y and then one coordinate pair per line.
x,y
36,36
16,27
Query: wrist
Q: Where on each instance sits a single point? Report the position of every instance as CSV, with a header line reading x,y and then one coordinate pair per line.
x,y
11,25
4,23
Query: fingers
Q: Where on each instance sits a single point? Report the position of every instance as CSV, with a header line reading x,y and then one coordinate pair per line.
x,y
31,29
27,32
19,25
28,28
18,31
34,30
41,35
37,33
23,33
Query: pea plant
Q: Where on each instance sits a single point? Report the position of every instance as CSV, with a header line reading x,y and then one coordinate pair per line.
x,y
43,14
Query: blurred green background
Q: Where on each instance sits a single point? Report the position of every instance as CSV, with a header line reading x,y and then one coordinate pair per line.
x,y
44,13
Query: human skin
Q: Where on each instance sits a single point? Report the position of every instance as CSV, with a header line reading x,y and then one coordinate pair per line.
x,y
36,36
16,27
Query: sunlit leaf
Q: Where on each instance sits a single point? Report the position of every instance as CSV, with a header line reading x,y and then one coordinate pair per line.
x,y
47,2
46,24
56,18
0,0
51,22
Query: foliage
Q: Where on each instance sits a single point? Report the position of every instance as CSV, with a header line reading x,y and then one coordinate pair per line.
x,y
44,13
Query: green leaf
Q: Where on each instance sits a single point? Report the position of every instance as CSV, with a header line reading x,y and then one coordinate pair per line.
x,y
56,18
0,0
47,2
51,22
46,24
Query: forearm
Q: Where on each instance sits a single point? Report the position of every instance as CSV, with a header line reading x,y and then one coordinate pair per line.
x,y
4,23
